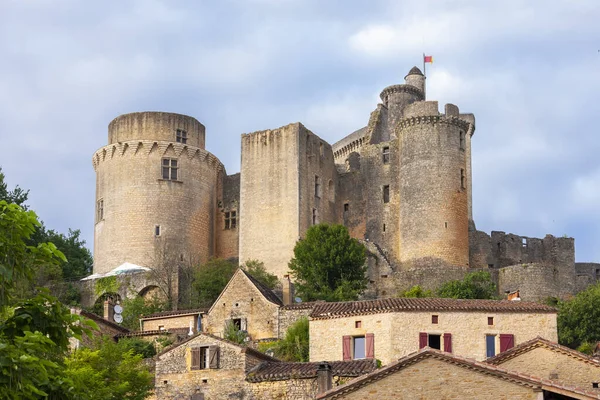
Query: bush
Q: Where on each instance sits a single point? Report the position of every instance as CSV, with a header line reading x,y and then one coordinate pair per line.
x,y
294,346
416,291
579,318
211,278
234,334
138,346
475,285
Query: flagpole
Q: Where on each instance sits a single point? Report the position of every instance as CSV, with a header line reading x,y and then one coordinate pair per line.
x,y
424,78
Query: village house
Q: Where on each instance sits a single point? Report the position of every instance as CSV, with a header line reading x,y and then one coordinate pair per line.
x,y
431,374
548,360
181,320
389,329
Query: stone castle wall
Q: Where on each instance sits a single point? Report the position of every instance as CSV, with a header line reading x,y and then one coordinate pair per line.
x,y
228,235
135,199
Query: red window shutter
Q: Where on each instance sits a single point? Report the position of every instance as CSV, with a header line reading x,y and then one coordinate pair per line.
x,y
448,342
507,342
370,345
422,340
347,348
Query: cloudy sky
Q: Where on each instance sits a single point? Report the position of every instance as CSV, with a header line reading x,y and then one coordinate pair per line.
x,y
529,71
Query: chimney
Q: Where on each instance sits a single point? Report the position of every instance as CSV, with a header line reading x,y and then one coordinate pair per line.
x,y
287,290
109,310
324,377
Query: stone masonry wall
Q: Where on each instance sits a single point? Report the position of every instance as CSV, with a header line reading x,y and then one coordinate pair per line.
x,y
289,315
181,321
537,282
441,380
228,237
241,299
547,364
269,197
397,334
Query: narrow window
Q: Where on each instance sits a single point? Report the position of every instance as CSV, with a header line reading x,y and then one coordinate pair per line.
x,y
490,345
359,348
321,149
524,241
595,385
597,274
315,218
346,207
462,140
384,227
100,210
169,169
435,342
358,324
233,218
181,136
463,179
317,186
227,220
446,225
156,230
386,194
386,155
490,320
434,319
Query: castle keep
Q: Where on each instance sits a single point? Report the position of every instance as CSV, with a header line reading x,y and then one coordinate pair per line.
x,y
401,184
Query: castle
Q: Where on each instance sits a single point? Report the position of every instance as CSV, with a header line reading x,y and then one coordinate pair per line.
x,y
401,184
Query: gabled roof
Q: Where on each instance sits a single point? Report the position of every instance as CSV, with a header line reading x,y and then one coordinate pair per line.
x,y
487,369
174,313
540,342
302,306
101,320
244,349
267,293
280,371
365,307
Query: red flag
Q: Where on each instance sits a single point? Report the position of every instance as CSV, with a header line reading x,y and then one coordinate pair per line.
x,y
428,59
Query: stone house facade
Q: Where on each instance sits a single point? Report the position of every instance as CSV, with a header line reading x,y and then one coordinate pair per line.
x,y
178,319
549,360
205,367
389,329
433,375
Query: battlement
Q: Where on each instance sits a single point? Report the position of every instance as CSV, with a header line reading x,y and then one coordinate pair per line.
x,y
146,147
401,88
159,126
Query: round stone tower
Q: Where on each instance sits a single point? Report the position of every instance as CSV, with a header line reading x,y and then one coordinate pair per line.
x,y
434,195
156,191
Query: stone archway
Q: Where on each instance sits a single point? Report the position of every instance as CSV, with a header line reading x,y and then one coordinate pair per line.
x,y
152,294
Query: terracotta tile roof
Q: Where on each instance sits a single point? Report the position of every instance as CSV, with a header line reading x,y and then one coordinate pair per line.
x,y
177,331
349,308
101,320
537,343
264,290
302,306
279,371
487,369
174,313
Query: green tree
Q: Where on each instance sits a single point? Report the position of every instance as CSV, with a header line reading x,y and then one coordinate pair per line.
x,y
329,265
35,332
416,291
79,259
17,195
138,347
211,278
134,308
294,346
112,371
579,318
475,285
257,270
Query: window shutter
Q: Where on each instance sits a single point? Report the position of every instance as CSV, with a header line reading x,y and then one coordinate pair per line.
x,y
213,354
448,342
347,348
195,358
370,345
243,324
422,340
507,341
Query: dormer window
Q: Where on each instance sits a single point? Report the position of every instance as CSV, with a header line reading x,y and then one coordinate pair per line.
x,y
181,136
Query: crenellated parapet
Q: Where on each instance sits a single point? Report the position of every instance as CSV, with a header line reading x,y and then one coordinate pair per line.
x,y
402,88
433,119
146,147
351,147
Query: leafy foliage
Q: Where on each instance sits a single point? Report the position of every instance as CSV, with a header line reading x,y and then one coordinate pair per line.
x,y
329,265
257,270
579,318
416,291
138,347
234,334
137,306
17,196
110,372
294,346
211,278
79,258
475,285
107,284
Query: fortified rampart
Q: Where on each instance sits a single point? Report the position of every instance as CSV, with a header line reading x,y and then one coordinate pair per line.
x,y
401,184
